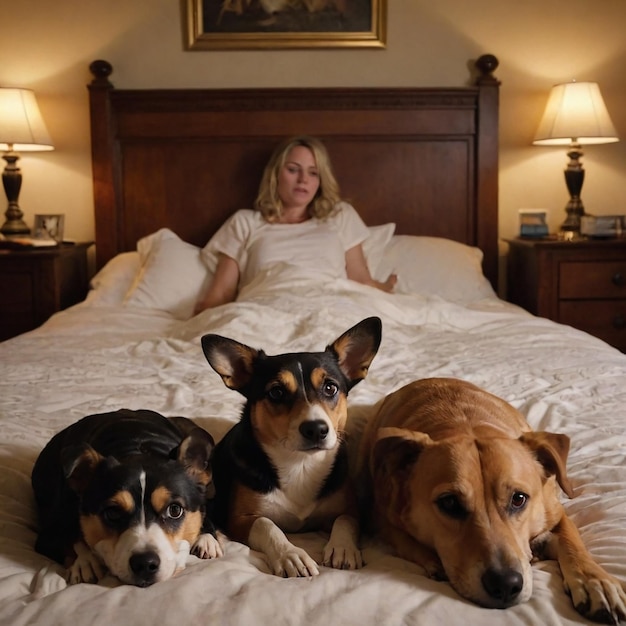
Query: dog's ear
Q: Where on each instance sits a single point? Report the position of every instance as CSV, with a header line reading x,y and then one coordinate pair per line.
x,y
395,452
194,453
396,449
551,450
356,348
232,360
79,463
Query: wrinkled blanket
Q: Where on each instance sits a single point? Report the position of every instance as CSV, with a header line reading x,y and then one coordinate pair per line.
x,y
92,359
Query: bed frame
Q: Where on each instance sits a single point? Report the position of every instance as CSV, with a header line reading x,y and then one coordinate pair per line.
x,y
424,158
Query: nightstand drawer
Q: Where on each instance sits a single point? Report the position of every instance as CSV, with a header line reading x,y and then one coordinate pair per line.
x,y
592,279
603,318
17,313
579,283
17,291
35,283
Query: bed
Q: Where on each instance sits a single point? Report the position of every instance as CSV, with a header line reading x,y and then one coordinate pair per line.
x,y
421,167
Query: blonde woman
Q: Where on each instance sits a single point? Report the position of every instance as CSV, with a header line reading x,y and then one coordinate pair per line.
x,y
299,219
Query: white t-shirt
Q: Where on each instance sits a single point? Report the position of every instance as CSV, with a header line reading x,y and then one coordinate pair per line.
x,y
256,244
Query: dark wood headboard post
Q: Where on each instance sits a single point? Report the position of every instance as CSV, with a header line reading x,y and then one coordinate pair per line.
x,y
487,163
102,159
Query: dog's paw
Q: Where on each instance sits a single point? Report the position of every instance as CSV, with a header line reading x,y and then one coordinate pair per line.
x,y
293,563
207,546
342,551
434,569
87,568
597,595
342,557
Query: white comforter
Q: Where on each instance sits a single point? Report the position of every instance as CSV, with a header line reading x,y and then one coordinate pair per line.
x,y
91,359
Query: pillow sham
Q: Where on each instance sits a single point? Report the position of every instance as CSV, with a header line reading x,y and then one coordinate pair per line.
x,y
112,282
375,244
172,277
435,266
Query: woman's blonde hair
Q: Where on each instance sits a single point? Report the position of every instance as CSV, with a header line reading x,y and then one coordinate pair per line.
x,y
327,196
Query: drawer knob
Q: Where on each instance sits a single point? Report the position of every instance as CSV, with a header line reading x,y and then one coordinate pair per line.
x,y
618,279
619,321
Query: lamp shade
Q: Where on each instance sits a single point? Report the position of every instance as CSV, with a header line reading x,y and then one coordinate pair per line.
x,y
21,126
575,113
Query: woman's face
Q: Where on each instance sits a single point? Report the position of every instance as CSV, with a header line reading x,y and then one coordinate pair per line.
x,y
298,179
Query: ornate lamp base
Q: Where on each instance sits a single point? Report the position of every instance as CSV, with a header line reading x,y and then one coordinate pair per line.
x,y
12,182
574,178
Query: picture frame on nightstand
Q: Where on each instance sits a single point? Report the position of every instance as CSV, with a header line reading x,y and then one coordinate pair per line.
x,y
49,226
533,223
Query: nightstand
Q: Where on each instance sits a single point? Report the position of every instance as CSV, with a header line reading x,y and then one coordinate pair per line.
x,y
578,283
37,282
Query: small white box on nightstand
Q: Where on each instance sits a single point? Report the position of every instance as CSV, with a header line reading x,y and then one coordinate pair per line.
x,y
602,225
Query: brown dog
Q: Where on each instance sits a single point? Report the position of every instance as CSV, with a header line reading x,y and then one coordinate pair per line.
x,y
462,486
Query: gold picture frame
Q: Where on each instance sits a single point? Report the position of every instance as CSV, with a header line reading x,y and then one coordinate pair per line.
x,y
245,24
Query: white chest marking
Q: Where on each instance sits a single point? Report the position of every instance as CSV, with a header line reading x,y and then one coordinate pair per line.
x,y
301,476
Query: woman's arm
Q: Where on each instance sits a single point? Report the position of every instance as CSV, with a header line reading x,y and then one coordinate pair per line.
x,y
223,287
356,269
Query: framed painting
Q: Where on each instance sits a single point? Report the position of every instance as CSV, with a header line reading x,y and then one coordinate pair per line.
x,y
270,24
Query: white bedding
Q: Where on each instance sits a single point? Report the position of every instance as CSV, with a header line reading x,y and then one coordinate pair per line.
x,y
98,357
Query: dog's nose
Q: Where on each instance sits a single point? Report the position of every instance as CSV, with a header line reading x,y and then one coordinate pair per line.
x,y
503,585
145,565
314,430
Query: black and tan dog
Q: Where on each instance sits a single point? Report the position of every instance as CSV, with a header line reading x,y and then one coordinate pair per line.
x,y
462,486
284,466
125,491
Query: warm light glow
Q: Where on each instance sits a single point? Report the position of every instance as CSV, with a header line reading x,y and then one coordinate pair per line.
x,y
21,126
575,113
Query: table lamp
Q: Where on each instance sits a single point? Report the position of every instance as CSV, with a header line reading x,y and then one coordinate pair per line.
x,y
21,129
575,115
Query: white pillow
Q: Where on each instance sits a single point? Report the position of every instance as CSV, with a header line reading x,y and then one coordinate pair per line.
x,y
436,266
112,282
173,275
375,244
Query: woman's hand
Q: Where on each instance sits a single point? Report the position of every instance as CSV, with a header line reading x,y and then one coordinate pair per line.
x,y
390,284
356,269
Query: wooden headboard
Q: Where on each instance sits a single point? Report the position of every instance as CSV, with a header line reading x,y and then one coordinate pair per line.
x,y
424,158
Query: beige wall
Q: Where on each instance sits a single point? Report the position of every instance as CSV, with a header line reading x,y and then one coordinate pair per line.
x,y
48,45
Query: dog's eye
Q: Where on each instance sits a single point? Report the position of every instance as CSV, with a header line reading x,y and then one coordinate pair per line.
x,y
330,389
518,501
175,511
112,515
276,393
450,505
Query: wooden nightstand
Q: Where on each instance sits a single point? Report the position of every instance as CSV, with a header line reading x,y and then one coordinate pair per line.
x,y
35,283
579,283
